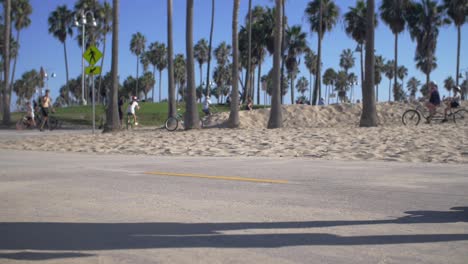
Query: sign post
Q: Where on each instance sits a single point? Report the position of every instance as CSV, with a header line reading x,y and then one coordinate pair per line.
x,y
92,56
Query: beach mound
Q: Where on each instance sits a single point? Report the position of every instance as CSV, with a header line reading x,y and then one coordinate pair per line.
x,y
306,116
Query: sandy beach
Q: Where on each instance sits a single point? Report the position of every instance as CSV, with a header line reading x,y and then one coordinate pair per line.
x,y
311,132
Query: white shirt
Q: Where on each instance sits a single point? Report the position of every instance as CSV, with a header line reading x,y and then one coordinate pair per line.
x,y
206,104
131,107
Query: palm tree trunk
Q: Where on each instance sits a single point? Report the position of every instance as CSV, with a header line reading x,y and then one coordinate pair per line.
x,y
249,52
136,86
112,116
369,111
14,62
170,70
6,62
154,77
66,63
102,66
376,93
362,66
395,70
259,76
319,57
191,114
390,90
292,90
310,87
201,75
209,50
458,54
276,118
160,72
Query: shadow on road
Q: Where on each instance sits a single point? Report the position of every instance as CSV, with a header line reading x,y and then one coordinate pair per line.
x,y
114,236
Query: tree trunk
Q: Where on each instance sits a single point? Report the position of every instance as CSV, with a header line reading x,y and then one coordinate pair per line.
x,y
14,62
249,52
6,62
310,87
395,70
102,67
66,63
292,90
154,85
208,92
172,111
319,57
276,118
259,76
390,90
191,114
136,86
362,66
112,116
376,93
160,72
369,111
201,76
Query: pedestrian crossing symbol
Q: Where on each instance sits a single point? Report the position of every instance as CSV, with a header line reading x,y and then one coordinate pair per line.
x,y
92,70
92,55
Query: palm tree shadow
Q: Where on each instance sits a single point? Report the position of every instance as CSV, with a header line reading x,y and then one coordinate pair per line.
x,y
114,236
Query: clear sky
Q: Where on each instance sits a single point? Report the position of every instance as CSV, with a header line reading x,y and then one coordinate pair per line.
x,y
39,48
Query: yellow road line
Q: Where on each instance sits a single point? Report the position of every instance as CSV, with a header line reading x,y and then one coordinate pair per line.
x,y
229,178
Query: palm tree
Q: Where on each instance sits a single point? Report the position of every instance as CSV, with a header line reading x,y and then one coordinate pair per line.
x,y
209,49
276,118
147,82
413,86
369,110
112,120
296,46
60,25
6,62
329,79
379,69
234,114
222,53
402,73
137,47
201,55
457,11
389,73
105,28
347,62
145,61
449,83
20,12
310,60
424,20
302,85
93,34
180,74
393,13
322,16
191,114
158,59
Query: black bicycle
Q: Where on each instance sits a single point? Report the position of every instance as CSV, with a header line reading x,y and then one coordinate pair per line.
x,y
172,123
412,117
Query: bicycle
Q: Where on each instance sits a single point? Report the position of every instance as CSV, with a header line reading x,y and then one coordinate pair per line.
x,y
412,117
172,123
25,123
52,122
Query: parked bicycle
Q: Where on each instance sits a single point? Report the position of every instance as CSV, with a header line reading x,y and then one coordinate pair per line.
x,y
412,117
172,123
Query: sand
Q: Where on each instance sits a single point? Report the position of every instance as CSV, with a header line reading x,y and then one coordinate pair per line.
x,y
312,132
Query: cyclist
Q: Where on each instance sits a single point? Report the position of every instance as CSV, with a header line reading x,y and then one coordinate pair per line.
x,y
131,109
434,100
45,104
452,102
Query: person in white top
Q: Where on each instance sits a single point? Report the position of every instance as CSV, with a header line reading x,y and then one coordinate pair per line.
x,y
30,114
131,108
206,106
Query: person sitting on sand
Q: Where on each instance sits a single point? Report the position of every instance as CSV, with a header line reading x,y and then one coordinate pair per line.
x,y
434,100
131,108
249,104
452,102
206,106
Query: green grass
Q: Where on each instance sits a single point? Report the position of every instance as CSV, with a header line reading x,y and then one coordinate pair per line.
x,y
150,114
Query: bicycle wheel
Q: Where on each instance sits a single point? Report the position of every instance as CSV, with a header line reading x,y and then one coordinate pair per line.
x,y
411,118
20,125
171,123
53,123
461,117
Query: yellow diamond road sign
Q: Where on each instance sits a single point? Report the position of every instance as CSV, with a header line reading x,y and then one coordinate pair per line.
x,y
92,70
92,55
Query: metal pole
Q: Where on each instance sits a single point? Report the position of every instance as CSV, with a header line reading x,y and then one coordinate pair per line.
x,y
82,66
94,105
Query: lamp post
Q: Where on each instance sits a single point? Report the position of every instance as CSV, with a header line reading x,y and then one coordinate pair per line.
x,y
80,20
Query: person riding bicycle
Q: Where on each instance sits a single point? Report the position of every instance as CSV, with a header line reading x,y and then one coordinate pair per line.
x,y
45,104
131,109
206,106
434,100
452,102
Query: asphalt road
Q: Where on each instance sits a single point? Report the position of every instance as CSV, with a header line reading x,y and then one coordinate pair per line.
x,y
87,208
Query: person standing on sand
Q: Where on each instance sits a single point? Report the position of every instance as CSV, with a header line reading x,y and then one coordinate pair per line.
x,y
434,100
131,109
45,103
121,102
206,106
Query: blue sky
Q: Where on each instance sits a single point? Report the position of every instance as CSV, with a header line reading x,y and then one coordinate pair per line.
x,y
39,48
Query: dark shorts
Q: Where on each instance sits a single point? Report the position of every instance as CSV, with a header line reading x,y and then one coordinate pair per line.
x,y
45,111
454,104
206,111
